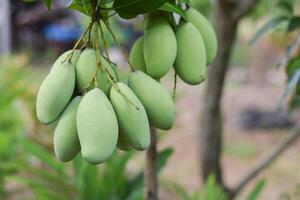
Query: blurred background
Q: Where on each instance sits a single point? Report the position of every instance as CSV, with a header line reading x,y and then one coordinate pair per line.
x,y
255,116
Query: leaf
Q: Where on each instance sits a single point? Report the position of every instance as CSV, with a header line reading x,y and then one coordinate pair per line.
x,y
37,151
136,7
256,191
163,157
172,7
83,6
48,4
271,24
290,86
294,23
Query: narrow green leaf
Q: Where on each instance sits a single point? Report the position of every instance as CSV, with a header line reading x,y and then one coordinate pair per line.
x,y
37,151
48,4
172,7
136,7
256,191
294,23
271,24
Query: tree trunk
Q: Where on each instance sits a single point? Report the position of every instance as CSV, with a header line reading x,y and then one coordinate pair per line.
x,y
211,118
5,32
151,185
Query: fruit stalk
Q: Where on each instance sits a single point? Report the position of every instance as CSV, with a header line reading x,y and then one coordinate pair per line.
x,y
151,185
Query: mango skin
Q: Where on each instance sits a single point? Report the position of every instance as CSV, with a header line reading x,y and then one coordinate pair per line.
x,y
123,144
66,142
97,127
207,32
156,100
55,92
133,122
64,58
159,47
86,67
136,56
190,63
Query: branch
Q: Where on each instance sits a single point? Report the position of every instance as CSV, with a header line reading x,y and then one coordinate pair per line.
x,y
151,185
244,8
267,160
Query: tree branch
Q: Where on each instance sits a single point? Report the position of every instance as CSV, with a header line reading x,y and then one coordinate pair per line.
x,y
267,160
244,8
151,185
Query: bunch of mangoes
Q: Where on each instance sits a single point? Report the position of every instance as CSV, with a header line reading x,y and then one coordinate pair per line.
x,y
188,46
95,112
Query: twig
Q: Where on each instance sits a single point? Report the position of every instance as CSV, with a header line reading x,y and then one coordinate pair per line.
x,y
175,85
118,44
151,183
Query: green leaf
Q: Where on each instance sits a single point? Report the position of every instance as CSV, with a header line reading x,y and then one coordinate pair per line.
x,y
136,7
37,151
271,24
163,157
256,191
294,24
172,7
83,6
48,4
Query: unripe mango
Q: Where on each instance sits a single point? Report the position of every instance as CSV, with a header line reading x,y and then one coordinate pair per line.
x,y
73,54
123,144
97,127
131,115
190,63
207,32
55,91
160,47
156,100
136,56
66,143
86,67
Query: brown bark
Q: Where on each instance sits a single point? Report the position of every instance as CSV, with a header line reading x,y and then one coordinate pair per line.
x,y
227,15
211,119
151,184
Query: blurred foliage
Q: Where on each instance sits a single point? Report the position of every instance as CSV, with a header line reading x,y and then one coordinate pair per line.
x,y
291,57
212,191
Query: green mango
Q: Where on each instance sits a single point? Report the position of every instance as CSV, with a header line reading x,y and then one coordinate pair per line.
x,y
159,47
56,91
65,58
97,127
66,142
123,144
207,32
136,56
132,119
190,63
156,100
86,68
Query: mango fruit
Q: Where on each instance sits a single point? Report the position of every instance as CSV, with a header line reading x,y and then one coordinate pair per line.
x,y
97,127
136,56
156,100
190,63
207,32
66,142
55,92
86,67
159,47
131,115
65,58
123,144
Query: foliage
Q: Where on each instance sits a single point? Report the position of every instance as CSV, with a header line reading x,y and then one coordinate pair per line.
x,y
212,191
291,55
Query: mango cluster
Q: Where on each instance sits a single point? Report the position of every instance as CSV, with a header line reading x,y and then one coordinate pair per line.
x,y
189,46
94,112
